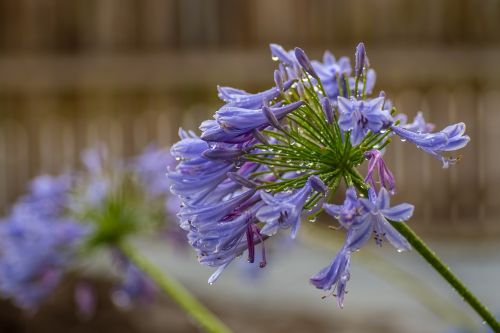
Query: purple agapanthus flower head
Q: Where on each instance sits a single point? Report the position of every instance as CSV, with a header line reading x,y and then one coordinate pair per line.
x,y
359,116
268,159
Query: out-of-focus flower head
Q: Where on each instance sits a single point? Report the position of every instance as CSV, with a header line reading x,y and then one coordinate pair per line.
x,y
38,242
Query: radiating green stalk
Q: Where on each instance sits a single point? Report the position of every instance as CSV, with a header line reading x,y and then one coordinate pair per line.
x,y
176,292
431,257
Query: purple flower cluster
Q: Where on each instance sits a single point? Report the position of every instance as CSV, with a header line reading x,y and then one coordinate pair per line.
x,y
46,228
269,159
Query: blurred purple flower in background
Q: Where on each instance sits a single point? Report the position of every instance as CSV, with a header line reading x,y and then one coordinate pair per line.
x,y
38,243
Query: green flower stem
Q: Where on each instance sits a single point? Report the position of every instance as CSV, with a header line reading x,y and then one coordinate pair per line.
x,y
429,255
177,292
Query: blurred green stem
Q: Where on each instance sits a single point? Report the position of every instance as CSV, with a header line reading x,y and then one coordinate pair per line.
x,y
177,292
429,255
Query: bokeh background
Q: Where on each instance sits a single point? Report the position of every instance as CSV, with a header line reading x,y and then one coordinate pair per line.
x,y
129,72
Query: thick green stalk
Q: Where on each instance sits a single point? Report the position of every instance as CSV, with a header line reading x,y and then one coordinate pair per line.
x,y
176,292
429,255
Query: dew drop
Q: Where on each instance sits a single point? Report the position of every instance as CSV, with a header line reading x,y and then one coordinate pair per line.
x,y
312,219
275,58
400,250
211,283
403,140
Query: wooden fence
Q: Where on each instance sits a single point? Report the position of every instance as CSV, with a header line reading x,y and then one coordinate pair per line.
x,y
124,72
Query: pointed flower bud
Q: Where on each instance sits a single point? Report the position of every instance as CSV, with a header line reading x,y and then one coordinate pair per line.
x,y
361,60
304,62
327,109
235,177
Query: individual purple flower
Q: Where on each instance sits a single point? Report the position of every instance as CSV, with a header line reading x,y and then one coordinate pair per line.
x,y
335,275
373,220
376,164
242,99
283,210
348,211
234,124
437,144
359,116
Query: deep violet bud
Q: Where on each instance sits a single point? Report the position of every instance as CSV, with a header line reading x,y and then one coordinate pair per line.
x,y
271,118
376,163
241,180
318,185
361,60
304,62
260,137
327,109
222,153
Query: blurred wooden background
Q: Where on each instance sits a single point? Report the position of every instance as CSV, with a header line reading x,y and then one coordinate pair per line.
x,y
128,72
